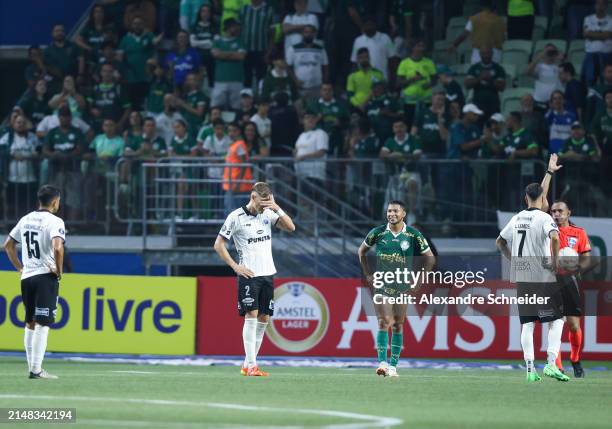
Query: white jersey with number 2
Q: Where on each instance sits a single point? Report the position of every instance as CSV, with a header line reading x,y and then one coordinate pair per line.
x,y
36,231
528,234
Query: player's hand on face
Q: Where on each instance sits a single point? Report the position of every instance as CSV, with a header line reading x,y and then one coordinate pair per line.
x,y
243,271
270,204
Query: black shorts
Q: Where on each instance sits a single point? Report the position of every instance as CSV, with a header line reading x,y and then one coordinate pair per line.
x,y
256,293
547,312
570,292
40,295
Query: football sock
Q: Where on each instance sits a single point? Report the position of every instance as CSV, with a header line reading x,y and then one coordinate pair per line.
x,y
382,341
527,344
397,340
39,345
27,342
555,329
249,333
575,339
259,335
559,361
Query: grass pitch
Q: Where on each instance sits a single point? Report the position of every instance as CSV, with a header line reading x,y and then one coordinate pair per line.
x,y
145,396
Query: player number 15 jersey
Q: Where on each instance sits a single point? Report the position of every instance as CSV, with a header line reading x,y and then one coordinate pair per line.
x,y
36,231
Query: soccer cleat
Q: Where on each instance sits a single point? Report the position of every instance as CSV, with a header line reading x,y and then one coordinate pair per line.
x,y
553,372
243,370
533,377
44,375
578,371
256,372
393,372
383,369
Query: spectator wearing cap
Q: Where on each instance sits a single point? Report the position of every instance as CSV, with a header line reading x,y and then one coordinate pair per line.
x,y
415,77
559,122
293,25
492,136
278,80
193,104
182,60
487,78
263,122
465,139
359,83
309,63
520,19
135,49
544,67
601,127
431,125
379,45
452,89
257,36
229,54
486,30
383,109
579,147
332,116
533,119
598,43
62,57
575,91
202,37
518,143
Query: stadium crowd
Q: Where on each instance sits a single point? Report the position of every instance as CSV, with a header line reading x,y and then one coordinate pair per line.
x,y
312,80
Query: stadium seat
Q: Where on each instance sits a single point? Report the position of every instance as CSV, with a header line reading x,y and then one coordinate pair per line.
x,y
440,53
457,21
228,116
541,21
576,58
540,27
511,72
453,32
557,28
538,33
470,9
511,99
575,45
559,43
525,81
464,52
517,52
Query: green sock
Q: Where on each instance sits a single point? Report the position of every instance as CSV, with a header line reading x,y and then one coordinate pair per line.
x,y
382,341
397,340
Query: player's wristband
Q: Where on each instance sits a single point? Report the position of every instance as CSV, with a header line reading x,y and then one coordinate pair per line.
x,y
280,213
550,172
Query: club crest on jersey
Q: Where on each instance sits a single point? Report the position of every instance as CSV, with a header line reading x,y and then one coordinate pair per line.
x,y
572,241
404,245
61,231
266,221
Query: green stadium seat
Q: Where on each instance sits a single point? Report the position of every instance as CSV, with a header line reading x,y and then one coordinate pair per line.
x,y
525,81
577,58
518,45
538,33
541,21
440,53
457,21
511,72
575,45
471,9
511,99
559,43
464,52
517,52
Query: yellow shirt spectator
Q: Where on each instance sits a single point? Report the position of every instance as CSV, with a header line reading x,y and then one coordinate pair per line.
x,y
359,84
419,90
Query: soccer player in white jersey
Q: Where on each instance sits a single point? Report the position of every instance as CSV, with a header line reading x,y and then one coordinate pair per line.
x,y
250,227
41,235
534,238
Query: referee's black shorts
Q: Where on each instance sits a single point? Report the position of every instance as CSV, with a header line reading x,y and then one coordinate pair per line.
x,y
570,292
40,294
256,293
550,310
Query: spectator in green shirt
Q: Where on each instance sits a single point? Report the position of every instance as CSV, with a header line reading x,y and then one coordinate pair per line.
x,y
359,83
493,135
229,54
108,100
579,147
108,146
180,146
332,117
518,143
62,57
383,109
202,37
601,127
158,88
487,79
193,104
94,34
279,81
431,125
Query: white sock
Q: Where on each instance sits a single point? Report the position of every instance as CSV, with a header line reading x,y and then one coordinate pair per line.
x,y
249,334
39,346
259,335
555,329
527,344
27,343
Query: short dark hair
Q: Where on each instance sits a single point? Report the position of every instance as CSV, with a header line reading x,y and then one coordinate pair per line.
x,y
517,116
606,92
568,68
397,203
218,121
235,124
149,119
364,125
534,191
46,194
363,50
561,201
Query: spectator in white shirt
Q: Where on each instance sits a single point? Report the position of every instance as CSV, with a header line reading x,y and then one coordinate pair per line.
x,y
545,69
309,63
52,121
598,43
166,119
310,151
293,25
380,46
264,124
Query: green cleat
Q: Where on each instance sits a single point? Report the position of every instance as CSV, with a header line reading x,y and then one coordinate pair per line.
x,y
553,372
532,377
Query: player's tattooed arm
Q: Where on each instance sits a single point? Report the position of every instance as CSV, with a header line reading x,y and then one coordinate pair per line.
x,y
221,250
502,245
10,247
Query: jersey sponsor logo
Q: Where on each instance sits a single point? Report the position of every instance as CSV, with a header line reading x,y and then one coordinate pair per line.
x,y
261,231
41,311
301,317
248,301
258,239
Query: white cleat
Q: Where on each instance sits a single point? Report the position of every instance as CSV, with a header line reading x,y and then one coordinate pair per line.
x,y
44,374
393,372
383,369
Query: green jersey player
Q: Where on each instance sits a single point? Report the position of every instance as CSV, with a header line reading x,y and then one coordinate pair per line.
x,y
397,246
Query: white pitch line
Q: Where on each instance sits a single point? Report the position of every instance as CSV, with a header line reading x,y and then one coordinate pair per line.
x,y
134,372
367,421
166,425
